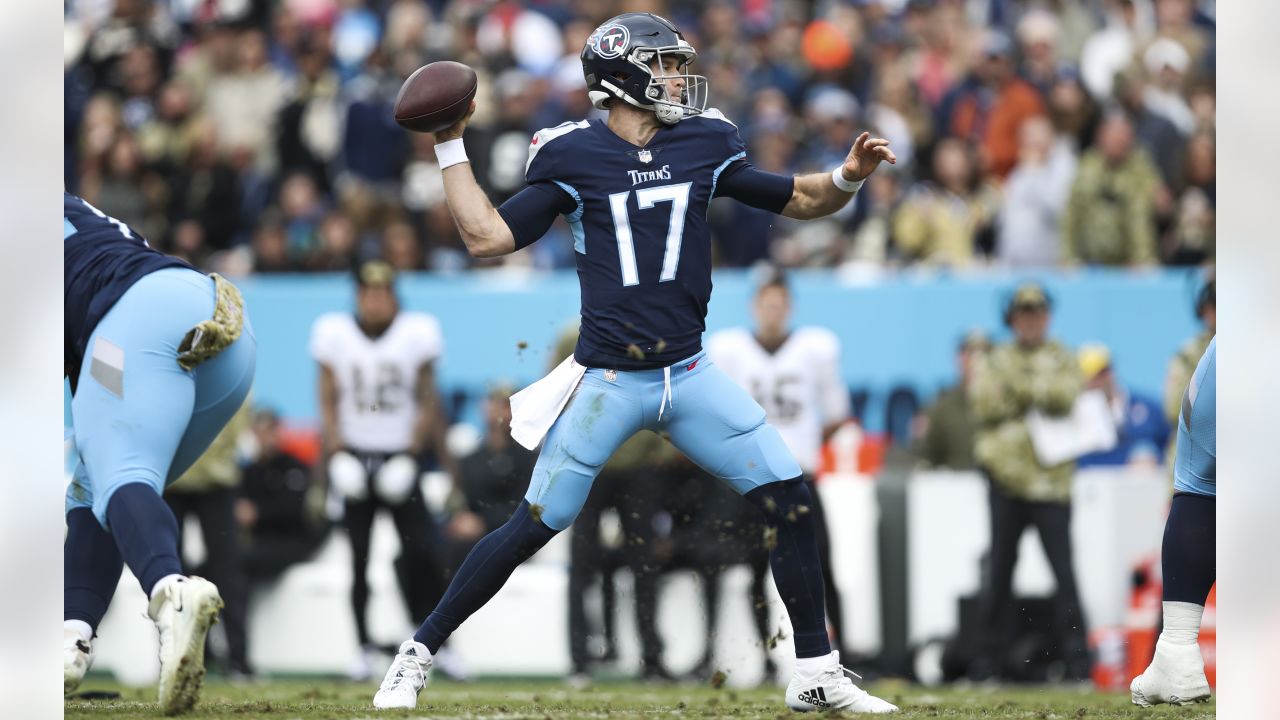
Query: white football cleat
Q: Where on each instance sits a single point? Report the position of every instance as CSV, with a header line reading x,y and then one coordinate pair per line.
x,y
183,612
832,688
1175,676
77,656
405,678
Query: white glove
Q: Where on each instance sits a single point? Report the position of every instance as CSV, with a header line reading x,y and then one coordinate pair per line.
x,y
347,476
395,480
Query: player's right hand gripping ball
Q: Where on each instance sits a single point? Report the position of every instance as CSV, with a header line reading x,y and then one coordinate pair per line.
x,y
435,96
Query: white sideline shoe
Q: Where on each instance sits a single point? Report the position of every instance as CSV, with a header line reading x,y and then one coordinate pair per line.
x,y
1175,675
77,656
361,667
450,664
832,688
183,612
405,678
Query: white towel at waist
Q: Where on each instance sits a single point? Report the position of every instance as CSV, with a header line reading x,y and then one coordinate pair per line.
x,y
535,409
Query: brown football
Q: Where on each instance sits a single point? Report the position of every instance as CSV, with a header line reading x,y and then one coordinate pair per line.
x,y
435,96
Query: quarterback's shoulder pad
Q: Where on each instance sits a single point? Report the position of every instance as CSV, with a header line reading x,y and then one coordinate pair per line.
x,y
541,162
715,114
721,135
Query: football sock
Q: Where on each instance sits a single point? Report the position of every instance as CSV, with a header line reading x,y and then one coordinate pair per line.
x,y
1187,556
163,583
91,566
797,571
483,573
146,532
1181,623
811,666
80,628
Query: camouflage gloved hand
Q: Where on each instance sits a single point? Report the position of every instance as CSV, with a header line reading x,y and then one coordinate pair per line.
x,y
212,336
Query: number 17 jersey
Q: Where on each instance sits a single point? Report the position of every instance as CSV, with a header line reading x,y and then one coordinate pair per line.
x,y
641,241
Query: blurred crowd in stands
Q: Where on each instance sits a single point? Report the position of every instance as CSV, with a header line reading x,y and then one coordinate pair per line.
x,y
256,135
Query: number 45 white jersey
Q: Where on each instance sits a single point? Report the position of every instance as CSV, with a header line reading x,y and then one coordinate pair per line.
x,y
799,385
376,377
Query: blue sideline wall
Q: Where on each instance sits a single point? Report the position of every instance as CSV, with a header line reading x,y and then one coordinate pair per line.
x,y
899,332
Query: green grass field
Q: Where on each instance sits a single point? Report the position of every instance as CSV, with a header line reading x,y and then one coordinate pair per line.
x,y
339,700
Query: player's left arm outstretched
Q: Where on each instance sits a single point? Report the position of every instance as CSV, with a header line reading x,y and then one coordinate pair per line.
x,y
819,194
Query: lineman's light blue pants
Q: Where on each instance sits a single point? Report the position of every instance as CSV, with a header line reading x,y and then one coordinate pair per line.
x,y
137,415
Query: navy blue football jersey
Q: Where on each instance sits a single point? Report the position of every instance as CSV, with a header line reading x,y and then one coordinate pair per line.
x,y
643,248
101,259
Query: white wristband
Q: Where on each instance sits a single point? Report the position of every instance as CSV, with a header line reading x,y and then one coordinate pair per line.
x,y
450,153
837,177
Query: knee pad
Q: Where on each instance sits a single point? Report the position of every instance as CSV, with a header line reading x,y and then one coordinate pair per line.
x,y
347,476
395,480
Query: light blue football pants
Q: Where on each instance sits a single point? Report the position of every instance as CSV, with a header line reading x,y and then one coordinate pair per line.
x,y
137,415
1195,466
706,415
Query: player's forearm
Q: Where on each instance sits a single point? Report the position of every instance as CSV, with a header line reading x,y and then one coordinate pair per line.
x,y
423,431
815,196
429,416
483,230
330,440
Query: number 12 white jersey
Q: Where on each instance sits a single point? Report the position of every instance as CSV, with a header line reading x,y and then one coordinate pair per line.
x,y
799,385
376,378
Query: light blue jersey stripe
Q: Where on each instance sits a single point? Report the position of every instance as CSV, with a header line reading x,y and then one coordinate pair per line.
x,y
575,219
68,229
715,176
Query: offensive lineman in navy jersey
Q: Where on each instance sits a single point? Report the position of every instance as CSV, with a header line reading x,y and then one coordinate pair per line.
x,y
635,190
159,357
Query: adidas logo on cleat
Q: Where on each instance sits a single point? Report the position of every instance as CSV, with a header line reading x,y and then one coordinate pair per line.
x,y
816,697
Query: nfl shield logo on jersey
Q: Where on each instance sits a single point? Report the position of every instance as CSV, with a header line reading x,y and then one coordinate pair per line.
x,y
644,156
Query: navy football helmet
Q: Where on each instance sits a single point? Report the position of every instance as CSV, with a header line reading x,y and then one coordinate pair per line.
x,y
617,64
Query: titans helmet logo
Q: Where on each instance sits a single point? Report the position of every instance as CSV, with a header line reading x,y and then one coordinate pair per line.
x,y
611,41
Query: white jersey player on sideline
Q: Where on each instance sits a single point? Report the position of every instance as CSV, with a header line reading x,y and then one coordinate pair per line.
x,y
380,413
795,376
